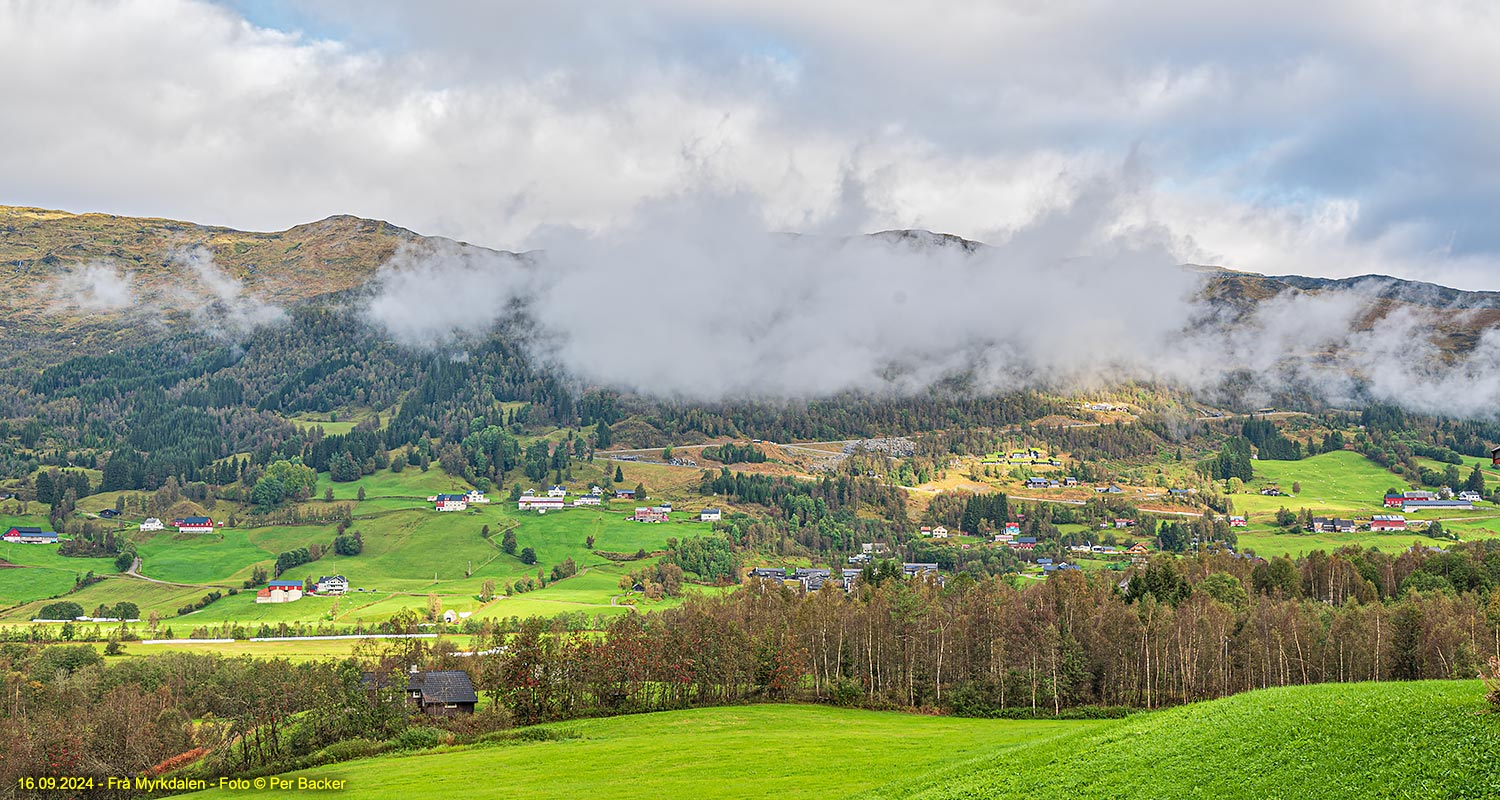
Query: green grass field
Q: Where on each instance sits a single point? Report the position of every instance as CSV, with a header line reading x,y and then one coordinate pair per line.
x,y
738,752
1397,740
1342,482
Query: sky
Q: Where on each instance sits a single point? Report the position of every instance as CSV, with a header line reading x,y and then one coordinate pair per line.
x,y
1334,139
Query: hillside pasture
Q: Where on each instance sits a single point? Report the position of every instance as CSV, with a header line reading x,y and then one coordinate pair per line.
x,y
1323,741
727,753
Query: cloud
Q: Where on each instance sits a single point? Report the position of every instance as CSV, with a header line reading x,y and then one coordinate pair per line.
x,y
697,300
215,300
1341,140
95,287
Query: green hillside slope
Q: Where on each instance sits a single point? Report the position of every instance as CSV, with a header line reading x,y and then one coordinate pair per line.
x,y
1419,740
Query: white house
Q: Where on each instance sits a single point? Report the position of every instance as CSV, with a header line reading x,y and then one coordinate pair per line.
x,y
586,500
1471,496
595,491
557,491
152,524
333,584
710,515
535,503
451,502
939,532
476,496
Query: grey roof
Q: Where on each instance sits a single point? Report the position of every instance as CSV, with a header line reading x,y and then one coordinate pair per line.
x,y
443,686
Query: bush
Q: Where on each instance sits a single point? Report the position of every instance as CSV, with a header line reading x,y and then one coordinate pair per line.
x,y
66,609
417,739
347,750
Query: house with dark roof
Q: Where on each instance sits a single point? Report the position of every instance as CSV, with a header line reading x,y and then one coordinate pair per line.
x,y
442,692
194,525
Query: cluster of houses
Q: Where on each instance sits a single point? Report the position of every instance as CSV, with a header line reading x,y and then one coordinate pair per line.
x,y
457,502
812,579
1332,525
280,591
658,513
30,535
1047,483
1423,501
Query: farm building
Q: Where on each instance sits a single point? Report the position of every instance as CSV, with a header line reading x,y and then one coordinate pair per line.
x,y
1036,483
109,513
1121,522
710,515
1393,500
655,514
1070,481
1419,495
1495,456
595,491
1013,528
557,491
586,500
30,536
476,496
1332,525
1471,496
538,503
1237,522
939,532
194,525
1388,522
152,524
280,592
332,584
1138,549
1437,505
451,502
874,548
625,494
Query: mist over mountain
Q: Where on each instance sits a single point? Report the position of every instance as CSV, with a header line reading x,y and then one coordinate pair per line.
x,y
697,302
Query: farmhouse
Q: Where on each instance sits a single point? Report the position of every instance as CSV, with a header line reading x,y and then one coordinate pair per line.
x,y
1272,491
476,496
710,515
451,502
442,693
1138,549
557,491
1332,525
1036,483
1394,500
152,524
109,513
595,491
1471,496
1013,528
332,584
1388,522
537,503
1236,522
656,514
1070,481
194,525
30,536
874,548
280,592
586,500
625,494
1113,489
939,532
1121,522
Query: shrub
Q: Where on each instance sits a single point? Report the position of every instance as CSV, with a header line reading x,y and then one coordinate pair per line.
x,y
66,609
417,739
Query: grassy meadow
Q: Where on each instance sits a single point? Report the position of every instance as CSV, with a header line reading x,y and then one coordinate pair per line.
x,y
735,752
1323,741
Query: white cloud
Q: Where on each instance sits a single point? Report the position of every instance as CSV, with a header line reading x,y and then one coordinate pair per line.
x,y
1341,139
95,286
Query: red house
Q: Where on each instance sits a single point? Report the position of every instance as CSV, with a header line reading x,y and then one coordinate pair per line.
x,y
1394,500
